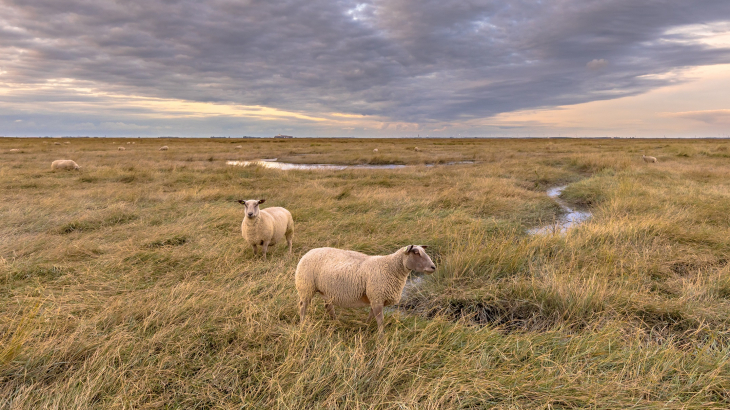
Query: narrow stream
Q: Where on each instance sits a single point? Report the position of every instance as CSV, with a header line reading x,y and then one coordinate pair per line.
x,y
285,166
571,218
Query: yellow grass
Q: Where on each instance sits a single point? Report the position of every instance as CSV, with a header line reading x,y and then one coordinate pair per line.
x,y
127,284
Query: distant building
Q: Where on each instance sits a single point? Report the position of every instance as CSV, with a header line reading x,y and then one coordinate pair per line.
x,y
283,136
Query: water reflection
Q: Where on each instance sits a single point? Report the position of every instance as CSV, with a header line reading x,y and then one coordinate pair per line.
x,y
571,218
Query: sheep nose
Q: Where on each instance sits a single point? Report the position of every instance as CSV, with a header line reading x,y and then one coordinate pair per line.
x,y
250,214
433,267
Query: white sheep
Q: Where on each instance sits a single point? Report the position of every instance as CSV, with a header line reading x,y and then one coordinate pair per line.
x,y
353,279
239,146
14,150
66,142
417,149
129,143
56,143
121,149
266,227
164,148
375,150
65,164
648,159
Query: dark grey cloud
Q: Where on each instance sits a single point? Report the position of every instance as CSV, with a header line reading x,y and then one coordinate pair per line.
x,y
405,60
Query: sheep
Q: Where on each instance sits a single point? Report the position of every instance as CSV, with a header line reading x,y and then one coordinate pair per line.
x,y
14,150
417,149
56,143
375,150
239,146
66,142
121,149
353,279
164,148
648,159
128,143
64,164
266,227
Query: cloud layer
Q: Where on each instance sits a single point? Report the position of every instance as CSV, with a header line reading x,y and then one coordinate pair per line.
x,y
402,61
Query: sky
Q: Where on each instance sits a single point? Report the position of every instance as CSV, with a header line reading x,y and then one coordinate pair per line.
x,y
381,68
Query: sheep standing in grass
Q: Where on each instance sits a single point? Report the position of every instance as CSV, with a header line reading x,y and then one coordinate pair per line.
x,y
164,148
64,164
56,143
648,159
266,227
375,150
14,150
352,279
417,149
121,149
239,146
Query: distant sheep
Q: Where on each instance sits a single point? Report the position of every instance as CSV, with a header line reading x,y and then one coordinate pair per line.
x,y
239,146
266,227
648,159
417,149
375,150
121,149
14,150
128,143
66,142
164,148
353,279
56,143
64,164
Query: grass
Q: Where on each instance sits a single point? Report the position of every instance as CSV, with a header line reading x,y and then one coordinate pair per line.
x,y
127,285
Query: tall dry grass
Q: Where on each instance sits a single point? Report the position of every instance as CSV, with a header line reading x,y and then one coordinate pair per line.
x,y
127,285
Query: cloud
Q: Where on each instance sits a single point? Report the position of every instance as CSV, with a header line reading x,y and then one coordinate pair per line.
x,y
596,64
402,61
706,116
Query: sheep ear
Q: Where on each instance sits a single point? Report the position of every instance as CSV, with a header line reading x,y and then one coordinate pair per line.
x,y
261,201
409,248
423,246
242,202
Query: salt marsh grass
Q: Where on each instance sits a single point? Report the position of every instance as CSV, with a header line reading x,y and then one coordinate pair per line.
x,y
127,284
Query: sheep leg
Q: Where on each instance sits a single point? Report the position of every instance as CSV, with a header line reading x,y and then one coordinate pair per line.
x,y
331,310
378,313
288,241
265,247
255,249
371,315
303,303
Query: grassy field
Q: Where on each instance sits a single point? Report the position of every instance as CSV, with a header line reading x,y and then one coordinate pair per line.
x,y
127,284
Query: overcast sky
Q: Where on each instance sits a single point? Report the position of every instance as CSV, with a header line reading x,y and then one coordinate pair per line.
x,y
365,68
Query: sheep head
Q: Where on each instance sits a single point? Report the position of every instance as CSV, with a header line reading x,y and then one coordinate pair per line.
x,y
418,260
252,207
